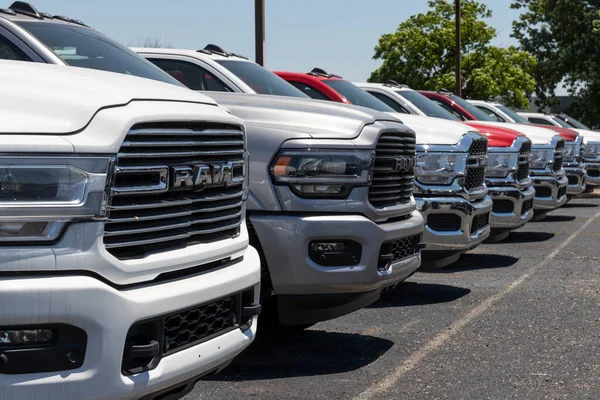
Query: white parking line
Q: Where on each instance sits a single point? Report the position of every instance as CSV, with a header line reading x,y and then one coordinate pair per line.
x,y
394,376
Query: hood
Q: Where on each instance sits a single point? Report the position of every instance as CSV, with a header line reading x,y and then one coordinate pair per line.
x,y
498,136
536,134
55,99
316,118
568,134
434,130
588,136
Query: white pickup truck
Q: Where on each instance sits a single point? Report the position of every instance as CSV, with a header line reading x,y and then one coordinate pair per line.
x,y
126,271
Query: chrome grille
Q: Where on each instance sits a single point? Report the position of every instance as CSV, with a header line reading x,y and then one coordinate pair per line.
x,y
475,171
524,162
393,176
156,202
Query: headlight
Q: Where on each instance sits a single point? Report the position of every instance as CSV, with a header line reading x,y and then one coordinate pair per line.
x,y
437,168
540,158
500,164
572,151
39,196
590,150
322,173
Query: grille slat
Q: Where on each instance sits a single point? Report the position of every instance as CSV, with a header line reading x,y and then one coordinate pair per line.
x,y
392,185
152,239
174,217
183,143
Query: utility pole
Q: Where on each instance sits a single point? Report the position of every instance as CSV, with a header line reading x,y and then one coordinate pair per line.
x,y
259,29
458,49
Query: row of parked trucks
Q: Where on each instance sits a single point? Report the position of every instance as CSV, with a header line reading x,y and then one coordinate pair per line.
x,y
128,203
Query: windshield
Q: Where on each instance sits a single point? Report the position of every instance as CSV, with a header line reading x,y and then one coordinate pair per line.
x,y
513,115
357,96
430,108
561,122
261,80
573,122
471,109
86,48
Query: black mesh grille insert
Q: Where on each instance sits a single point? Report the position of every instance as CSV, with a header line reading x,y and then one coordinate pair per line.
x,y
444,222
398,250
573,179
562,191
558,155
594,173
523,168
150,212
194,325
478,147
525,148
479,222
503,206
542,191
558,162
527,205
393,176
474,178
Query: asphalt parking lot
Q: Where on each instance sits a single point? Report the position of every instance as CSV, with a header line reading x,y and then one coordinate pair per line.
x,y
515,320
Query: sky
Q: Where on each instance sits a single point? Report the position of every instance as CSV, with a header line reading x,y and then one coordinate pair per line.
x,y
336,35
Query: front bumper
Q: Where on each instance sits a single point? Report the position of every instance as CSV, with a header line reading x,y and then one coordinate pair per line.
x,y
576,177
513,207
593,174
285,243
106,314
551,192
455,240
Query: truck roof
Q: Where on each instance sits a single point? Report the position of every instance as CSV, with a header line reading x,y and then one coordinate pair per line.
x,y
210,51
22,11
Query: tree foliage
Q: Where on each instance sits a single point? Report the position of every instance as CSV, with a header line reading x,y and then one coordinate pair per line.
x,y
421,53
564,35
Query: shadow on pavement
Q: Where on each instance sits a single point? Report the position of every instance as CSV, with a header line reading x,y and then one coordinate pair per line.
x,y
558,218
528,237
580,205
306,353
469,262
416,294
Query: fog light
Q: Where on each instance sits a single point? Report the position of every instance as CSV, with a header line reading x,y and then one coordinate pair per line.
x,y
25,337
335,253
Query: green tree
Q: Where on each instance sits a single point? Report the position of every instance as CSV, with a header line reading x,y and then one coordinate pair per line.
x,y
564,35
421,53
